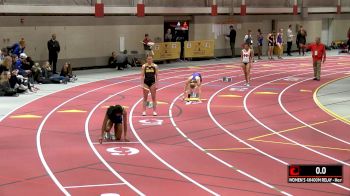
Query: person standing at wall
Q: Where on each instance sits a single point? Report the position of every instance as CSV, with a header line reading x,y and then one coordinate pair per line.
x,y
168,37
260,39
54,48
279,44
289,40
146,45
301,40
232,37
318,53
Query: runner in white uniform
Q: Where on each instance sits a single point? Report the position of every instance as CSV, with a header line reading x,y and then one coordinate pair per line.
x,y
246,57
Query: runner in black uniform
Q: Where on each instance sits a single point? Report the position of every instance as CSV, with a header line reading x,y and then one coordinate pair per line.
x,y
149,83
117,116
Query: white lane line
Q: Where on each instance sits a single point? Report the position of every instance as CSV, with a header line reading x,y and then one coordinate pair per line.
x,y
215,157
284,137
38,135
234,136
130,116
97,143
302,122
93,185
148,116
171,71
88,138
154,154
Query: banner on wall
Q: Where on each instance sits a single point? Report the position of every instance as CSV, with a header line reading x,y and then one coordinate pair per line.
x,y
166,51
202,48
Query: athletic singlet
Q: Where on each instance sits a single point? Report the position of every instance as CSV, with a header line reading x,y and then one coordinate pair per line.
x,y
150,72
279,39
260,40
271,40
112,117
246,56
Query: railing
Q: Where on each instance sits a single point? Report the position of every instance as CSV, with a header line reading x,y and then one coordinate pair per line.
x,y
181,3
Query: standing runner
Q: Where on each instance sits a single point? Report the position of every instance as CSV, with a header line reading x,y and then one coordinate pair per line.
x,y
149,83
279,43
271,44
246,57
260,39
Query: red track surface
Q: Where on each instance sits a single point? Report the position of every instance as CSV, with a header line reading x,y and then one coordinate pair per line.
x,y
234,143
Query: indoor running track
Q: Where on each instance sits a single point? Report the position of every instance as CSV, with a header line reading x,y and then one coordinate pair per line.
x,y
238,141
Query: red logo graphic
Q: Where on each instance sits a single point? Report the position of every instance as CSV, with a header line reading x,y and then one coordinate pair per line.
x,y
294,170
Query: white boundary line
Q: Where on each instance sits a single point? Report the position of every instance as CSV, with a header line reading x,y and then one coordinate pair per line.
x,y
154,154
106,79
237,138
273,131
38,135
215,157
302,122
97,106
98,143
88,138
93,185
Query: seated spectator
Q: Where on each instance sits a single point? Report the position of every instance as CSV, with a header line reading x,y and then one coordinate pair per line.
x,y
37,72
23,73
122,60
5,88
20,65
112,61
6,64
67,72
19,47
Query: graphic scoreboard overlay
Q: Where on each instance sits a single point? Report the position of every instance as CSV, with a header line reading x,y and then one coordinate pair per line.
x,y
315,173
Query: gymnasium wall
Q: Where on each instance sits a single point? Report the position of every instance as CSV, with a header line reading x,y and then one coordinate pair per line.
x,y
89,41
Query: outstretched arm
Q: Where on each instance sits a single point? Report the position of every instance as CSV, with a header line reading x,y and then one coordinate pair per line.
x,y
104,124
199,89
142,75
125,124
187,82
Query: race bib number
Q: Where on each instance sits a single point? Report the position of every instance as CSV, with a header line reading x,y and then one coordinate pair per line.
x,y
316,53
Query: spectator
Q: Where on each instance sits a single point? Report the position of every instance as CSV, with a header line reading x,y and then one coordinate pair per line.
x,y
271,44
260,39
2,56
289,40
168,37
5,88
122,60
67,72
279,43
232,37
6,64
146,45
112,61
318,52
54,48
19,47
19,65
301,40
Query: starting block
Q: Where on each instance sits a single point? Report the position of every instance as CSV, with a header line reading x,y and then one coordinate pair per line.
x,y
227,79
149,104
192,99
